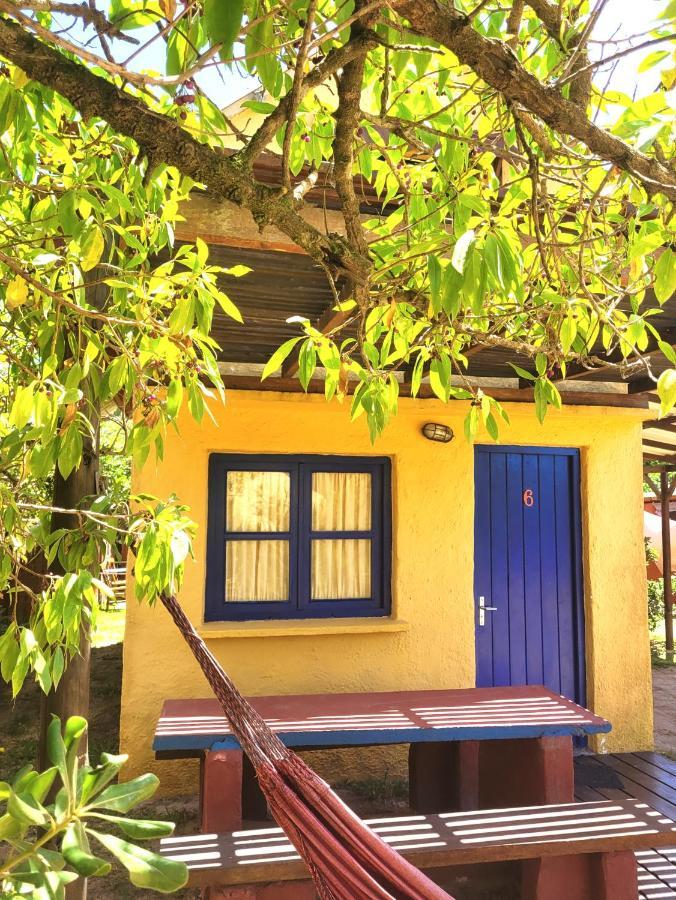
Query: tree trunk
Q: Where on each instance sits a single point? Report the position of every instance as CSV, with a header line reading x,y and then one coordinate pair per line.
x,y
71,697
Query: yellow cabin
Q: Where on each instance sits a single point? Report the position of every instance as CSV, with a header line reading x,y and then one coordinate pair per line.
x,y
324,563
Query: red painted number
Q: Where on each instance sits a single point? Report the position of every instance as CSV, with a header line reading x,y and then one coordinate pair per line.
x,y
528,499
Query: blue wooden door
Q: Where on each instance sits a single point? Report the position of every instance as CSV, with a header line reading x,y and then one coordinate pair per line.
x,y
527,569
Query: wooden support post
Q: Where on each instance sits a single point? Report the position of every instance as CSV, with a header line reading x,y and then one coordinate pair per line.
x,y
665,498
221,791
586,876
443,776
528,772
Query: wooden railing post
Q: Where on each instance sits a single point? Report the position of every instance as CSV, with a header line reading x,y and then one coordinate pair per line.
x,y
665,503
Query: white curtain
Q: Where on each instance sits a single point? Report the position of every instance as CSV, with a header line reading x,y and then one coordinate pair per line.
x,y
257,570
341,568
341,501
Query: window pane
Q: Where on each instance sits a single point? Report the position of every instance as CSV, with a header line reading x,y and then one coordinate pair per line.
x,y
257,501
256,570
341,501
341,569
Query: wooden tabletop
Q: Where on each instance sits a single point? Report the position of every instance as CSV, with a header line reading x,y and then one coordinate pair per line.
x,y
187,727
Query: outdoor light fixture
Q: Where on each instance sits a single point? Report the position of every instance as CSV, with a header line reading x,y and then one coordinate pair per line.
x,y
433,431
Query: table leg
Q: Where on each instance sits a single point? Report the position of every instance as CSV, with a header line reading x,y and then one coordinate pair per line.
x,y
254,804
443,776
585,876
220,791
530,772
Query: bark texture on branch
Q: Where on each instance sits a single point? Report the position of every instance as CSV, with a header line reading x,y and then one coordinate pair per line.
x,y
499,67
164,141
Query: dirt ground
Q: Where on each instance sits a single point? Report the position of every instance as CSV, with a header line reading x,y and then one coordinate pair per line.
x,y
18,736
664,704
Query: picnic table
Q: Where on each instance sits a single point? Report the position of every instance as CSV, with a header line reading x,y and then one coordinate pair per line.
x,y
477,748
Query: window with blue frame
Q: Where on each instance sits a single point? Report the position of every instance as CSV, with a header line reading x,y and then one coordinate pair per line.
x,y
295,537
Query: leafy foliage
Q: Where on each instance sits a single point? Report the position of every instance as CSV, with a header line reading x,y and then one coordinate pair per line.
x,y
493,192
45,845
104,338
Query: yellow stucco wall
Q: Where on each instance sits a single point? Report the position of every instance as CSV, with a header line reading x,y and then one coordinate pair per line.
x,y
430,640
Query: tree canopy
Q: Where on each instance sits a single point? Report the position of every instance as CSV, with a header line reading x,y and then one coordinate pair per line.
x,y
524,202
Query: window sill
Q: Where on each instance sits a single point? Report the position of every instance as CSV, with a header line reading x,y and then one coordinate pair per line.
x,y
297,628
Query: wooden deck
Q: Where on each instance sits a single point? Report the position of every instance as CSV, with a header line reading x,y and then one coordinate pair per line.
x,y
645,776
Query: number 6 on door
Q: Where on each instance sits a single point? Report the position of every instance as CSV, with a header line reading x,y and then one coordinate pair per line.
x,y
528,499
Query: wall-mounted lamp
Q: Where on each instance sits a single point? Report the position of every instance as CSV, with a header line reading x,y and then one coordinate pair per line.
x,y
433,431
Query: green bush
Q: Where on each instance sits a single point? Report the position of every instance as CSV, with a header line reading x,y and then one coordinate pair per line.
x,y
46,845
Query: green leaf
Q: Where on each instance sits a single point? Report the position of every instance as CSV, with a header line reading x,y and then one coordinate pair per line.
x,y
222,23
522,373
307,361
70,450
124,797
174,397
75,849
39,787
278,357
434,270
139,829
461,250
491,426
74,730
665,275
568,332
27,810
94,780
56,749
22,407
146,869
91,248
666,389
228,307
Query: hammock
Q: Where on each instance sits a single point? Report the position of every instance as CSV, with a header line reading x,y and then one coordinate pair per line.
x,y
346,860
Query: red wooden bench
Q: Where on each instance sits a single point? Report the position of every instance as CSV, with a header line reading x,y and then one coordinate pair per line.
x,y
576,851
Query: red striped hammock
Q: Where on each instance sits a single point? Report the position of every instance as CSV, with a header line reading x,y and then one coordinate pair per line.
x,y
346,860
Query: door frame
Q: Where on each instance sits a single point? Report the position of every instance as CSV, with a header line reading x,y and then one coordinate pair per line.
x,y
579,607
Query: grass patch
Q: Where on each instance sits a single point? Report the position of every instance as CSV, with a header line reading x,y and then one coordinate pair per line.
x,y
378,790
109,628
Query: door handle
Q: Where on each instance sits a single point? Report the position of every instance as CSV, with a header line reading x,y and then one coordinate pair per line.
x,y
483,609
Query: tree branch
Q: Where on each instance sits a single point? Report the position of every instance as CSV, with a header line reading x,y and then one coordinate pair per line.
x,y
84,11
295,92
498,66
336,59
162,139
347,118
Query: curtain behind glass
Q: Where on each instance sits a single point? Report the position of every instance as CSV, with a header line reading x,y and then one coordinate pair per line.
x,y
341,567
257,570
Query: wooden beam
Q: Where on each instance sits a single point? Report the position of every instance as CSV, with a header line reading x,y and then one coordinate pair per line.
x,y
660,462
316,386
648,476
668,424
575,370
641,386
331,318
659,445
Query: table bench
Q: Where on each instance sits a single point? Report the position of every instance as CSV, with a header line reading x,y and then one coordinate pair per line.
x,y
469,749
576,851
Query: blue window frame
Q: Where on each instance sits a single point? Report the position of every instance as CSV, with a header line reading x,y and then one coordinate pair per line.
x,y
298,533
